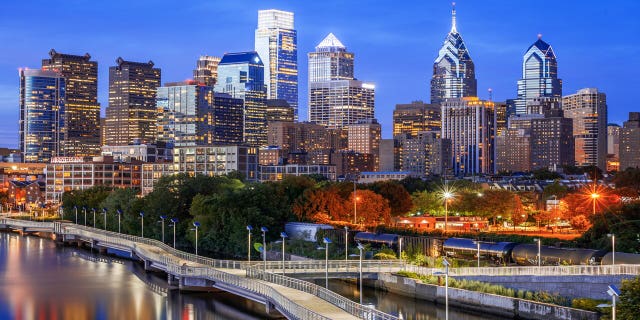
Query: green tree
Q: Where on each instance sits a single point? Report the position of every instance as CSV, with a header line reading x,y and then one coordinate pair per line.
x,y
554,189
427,202
628,178
545,174
493,203
398,197
629,304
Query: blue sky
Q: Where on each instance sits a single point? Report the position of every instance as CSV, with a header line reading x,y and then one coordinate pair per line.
x,y
395,42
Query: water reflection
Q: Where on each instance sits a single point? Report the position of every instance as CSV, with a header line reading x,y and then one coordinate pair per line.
x,y
39,280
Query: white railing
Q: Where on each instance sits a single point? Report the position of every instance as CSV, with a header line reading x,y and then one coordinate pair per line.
x,y
621,269
312,266
27,223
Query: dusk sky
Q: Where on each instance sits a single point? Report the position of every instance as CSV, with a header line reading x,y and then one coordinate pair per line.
x,y
395,42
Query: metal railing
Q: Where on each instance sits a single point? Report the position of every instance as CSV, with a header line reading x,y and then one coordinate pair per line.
x,y
27,223
620,269
309,266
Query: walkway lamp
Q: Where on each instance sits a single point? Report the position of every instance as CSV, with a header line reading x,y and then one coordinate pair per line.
x,y
283,235
264,246
446,287
355,208
613,247
119,212
613,292
361,248
75,208
142,224
60,211
594,197
478,251
447,195
94,217
84,210
346,243
249,228
196,224
174,221
326,261
104,212
162,218
539,258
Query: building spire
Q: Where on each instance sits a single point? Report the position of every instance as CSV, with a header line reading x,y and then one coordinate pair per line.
x,y
453,18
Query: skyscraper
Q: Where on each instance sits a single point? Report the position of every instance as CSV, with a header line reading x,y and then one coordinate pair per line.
x,y
279,110
424,154
241,75
82,110
191,114
206,71
552,143
42,129
469,124
415,117
453,70
364,137
588,109
276,41
539,75
335,98
132,114
630,142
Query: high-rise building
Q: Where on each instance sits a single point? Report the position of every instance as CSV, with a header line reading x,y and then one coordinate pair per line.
x,y
387,155
217,160
276,41
82,110
415,117
469,124
501,117
42,109
336,99
425,154
539,75
206,71
453,70
613,147
132,114
191,114
364,137
588,109
302,138
630,142
513,150
552,143
279,110
241,74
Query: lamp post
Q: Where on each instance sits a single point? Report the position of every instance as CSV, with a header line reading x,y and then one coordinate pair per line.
x,y
162,217
613,247
446,287
361,248
174,221
594,197
447,195
283,235
60,211
614,292
75,208
539,241
94,216
355,208
346,243
249,228
326,261
264,246
104,212
84,210
478,253
142,224
119,215
196,224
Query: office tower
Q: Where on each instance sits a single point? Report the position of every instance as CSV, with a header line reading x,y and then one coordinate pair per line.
x,y
301,139
42,111
552,145
190,114
415,117
613,147
241,74
630,142
588,109
453,70
386,155
364,137
103,133
132,114
279,110
501,117
539,75
469,124
425,154
276,42
513,150
336,99
206,71
82,110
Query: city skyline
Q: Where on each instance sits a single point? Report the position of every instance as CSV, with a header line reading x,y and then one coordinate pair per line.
x,y
408,38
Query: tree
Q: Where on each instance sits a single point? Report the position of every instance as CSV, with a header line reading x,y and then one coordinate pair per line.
x,y
628,178
398,197
427,202
372,208
321,205
554,189
545,174
493,203
629,300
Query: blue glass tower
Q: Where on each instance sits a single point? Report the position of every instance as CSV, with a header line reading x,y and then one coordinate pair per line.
x,y
539,75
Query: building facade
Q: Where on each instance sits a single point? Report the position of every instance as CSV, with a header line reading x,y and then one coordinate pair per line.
x,y
139,152
469,124
331,61
217,160
82,110
552,143
613,147
425,154
278,172
364,137
279,110
415,117
206,71
297,139
132,114
42,113
630,142
539,75
453,70
241,75
276,41
513,150
588,109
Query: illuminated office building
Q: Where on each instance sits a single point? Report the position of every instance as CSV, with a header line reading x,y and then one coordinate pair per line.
x,y
82,110
453,70
241,75
588,109
42,108
415,117
279,110
552,143
132,114
276,41
364,137
630,142
206,71
331,61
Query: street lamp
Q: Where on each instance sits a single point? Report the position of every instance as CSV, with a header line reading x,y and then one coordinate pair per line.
x,y
613,292
104,212
174,221
283,235
249,228
60,211
594,197
119,215
196,224
446,287
355,208
346,243
142,224
539,241
75,208
162,221
613,247
326,261
94,216
447,195
264,246
361,248
84,210
478,253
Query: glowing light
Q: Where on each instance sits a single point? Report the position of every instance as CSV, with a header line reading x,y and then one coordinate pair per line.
x,y
595,196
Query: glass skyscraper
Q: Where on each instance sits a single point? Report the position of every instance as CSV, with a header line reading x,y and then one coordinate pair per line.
x,y
330,61
276,41
539,75
241,75
206,71
42,109
453,71
588,109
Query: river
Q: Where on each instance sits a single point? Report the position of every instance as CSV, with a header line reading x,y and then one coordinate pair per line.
x,y
39,280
